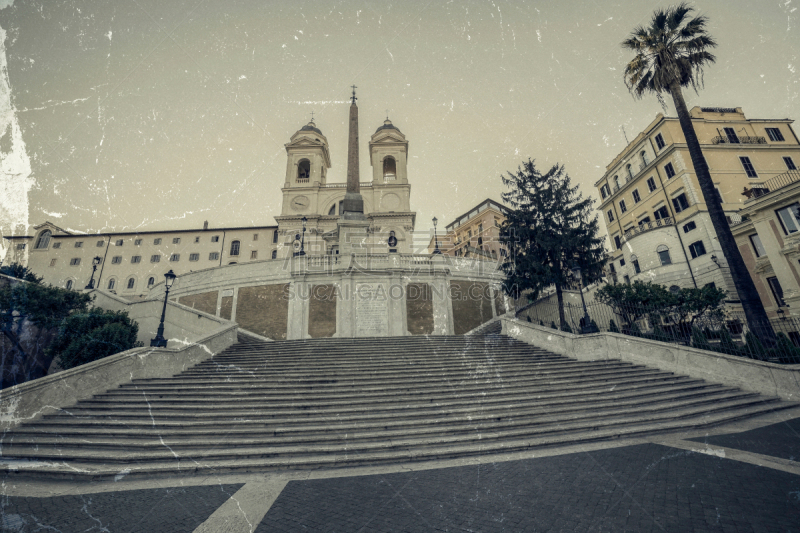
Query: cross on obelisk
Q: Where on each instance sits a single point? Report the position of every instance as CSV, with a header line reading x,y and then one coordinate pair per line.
x,y
354,94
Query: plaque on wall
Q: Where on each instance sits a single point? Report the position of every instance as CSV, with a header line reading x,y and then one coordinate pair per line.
x,y
372,310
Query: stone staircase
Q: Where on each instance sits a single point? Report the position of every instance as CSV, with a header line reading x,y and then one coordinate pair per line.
x,y
350,402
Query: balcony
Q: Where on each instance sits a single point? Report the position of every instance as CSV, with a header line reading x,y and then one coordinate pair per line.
x,y
723,139
771,185
648,226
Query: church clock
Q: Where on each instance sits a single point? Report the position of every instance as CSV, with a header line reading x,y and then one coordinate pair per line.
x,y
300,203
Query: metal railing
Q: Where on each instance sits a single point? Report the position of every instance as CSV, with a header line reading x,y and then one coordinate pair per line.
x,y
724,332
724,139
648,226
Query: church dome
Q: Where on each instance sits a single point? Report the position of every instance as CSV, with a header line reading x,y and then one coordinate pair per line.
x,y
387,125
311,127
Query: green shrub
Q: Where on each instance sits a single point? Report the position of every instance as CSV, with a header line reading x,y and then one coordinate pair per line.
x,y
785,351
699,340
93,335
755,350
566,328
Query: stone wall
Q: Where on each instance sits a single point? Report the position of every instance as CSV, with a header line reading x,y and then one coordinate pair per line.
x,y
419,308
472,305
264,310
322,311
204,301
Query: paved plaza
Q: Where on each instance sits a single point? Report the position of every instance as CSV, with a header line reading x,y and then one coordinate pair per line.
x,y
737,478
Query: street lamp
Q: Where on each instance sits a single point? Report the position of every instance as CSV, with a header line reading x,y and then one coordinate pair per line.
x,y
436,250
587,326
302,239
160,341
96,261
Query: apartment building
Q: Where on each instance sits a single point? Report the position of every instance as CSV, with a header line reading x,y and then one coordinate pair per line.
x,y
653,208
474,234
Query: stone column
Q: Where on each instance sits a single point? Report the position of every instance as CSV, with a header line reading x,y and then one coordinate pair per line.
x,y
782,270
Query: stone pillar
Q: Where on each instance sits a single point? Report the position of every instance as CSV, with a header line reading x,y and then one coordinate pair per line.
x,y
791,290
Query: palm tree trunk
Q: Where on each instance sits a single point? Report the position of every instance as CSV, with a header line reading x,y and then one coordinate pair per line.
x,y
754,311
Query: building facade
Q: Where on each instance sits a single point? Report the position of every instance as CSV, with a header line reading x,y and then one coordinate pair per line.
x,y
474,234
653,208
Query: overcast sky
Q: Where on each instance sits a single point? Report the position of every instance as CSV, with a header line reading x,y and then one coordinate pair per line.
x,y
151,115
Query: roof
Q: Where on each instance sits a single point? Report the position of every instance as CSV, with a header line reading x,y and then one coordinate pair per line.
x,y
196,230
311,127
387,125
503,210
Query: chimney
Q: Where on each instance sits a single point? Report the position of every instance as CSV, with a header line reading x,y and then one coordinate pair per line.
x,y
205,225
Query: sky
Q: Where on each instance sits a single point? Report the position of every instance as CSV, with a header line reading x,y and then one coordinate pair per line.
x,y
153,115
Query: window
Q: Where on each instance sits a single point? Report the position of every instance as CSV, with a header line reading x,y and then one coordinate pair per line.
x,y
645,220
774,134
789,217
274,254
604,192
680,203
789,163
611,268
175,257
617,242
748,167
75,261
636,197
389,169
156,242
663,255
136,259
660,141
194,257
53,262
137,242
629,171
176,240
56,245
254,254
79,244
21,246
661,212
611,215
697,249
235,248
155,258
69,284
777,291
635,263
255,236
755,240
275,237
622,262
669,169
643,155
730,133
651,184
100,244
111,283
689,227
44,240
119,242
117,259
626,279
151,281
332,210
215,238
303,171
622,207
131,283
213,256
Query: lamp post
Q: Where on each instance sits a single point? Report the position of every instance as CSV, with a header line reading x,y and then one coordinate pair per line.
x,y
96,261
436,250
160,341
302,239
587,327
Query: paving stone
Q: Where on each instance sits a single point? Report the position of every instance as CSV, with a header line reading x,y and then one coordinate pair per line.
x,y
777,440
636,488
174,510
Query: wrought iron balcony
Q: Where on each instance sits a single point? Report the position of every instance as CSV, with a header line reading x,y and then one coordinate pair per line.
x,y
771,185
724,139
648,226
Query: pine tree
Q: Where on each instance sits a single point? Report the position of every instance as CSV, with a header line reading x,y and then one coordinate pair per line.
x,y
548,230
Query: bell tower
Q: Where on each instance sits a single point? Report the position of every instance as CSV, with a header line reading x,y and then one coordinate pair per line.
x,y
308,158
388,155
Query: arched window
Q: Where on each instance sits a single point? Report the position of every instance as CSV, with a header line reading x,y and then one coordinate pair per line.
x,y
151,281
44,240
235,248
616,181
303,170
644,158
131,283
630,172
389,169
274,254
332,210
274,236
111,284
663,255
69,285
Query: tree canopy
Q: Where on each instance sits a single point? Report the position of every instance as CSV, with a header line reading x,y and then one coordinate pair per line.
x,y
88,336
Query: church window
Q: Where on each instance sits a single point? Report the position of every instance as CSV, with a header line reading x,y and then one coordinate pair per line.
x,y
389,169
176,240
131,283
151,281
175,257
155,258
331,211
117,259
275,237
303,171
274,254
53,262
194,257
44,240
56,245
156,241
111,283
119,242
75,261
235,248
69,284
254,254
136,259
213,256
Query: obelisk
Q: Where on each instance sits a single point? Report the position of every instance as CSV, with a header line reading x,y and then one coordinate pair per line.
x,y
353,206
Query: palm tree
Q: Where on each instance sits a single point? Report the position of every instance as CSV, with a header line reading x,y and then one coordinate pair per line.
x,y
671,54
